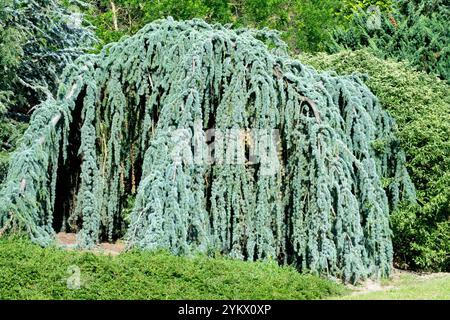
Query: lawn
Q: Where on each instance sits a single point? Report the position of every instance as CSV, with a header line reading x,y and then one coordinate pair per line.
x,y
28,271
406,286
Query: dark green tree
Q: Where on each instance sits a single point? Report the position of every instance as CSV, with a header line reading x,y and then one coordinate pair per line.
x,y
306,25
415,31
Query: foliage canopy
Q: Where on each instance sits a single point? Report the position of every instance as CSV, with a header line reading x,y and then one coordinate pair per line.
x,y
306,25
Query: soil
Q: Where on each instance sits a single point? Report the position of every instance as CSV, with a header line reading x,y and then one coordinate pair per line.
x,y
69,242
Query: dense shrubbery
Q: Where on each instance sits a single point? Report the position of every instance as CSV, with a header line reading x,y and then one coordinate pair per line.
x,y
421,105
30,272
415,31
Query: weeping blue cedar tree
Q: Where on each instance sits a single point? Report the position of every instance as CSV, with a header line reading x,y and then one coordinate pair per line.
x,y
108,134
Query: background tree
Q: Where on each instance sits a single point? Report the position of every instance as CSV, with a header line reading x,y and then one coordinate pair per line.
x,y
415,31
305,24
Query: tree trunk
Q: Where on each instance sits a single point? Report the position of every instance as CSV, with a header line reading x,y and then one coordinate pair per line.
x,y
114,13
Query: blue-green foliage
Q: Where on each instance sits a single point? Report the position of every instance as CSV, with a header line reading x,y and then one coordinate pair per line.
x,y
10,133
315,199
37,40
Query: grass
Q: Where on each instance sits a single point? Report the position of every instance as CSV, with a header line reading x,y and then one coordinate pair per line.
x,y
409,286
31,272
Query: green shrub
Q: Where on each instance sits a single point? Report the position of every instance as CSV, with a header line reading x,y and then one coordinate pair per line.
x,y
420,103
30,272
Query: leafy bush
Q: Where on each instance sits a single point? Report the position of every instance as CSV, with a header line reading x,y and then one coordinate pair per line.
x,y
30,272
420,103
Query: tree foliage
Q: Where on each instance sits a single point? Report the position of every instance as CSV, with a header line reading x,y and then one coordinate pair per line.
x,y
10,133
420,103
318,198
306,25
37,39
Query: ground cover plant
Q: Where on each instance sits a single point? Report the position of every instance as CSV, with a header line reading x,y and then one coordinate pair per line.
x,y
28,271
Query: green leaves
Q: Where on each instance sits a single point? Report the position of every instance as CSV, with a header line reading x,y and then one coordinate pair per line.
x,y
306,25
415,31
